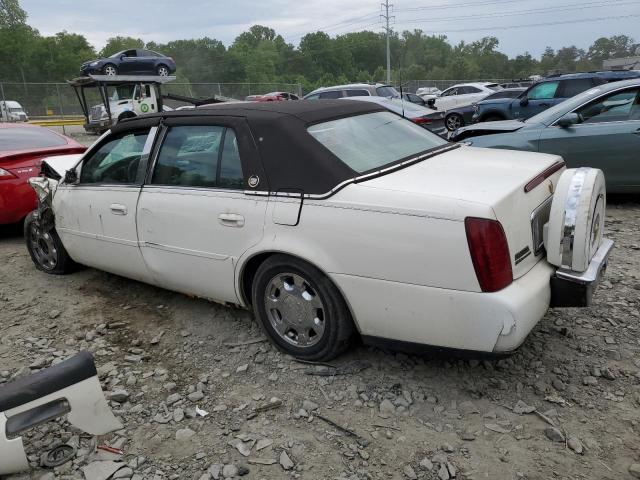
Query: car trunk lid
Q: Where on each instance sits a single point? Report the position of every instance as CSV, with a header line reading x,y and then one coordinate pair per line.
x,y
494,178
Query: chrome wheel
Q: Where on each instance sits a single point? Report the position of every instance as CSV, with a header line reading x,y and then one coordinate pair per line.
x,y
110,70
295,310
163,71
454,122
43,247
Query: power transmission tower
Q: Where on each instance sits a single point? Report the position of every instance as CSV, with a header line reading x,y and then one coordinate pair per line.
x,y
386,6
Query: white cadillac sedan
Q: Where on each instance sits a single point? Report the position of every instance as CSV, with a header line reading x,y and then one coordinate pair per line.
x,y
329,219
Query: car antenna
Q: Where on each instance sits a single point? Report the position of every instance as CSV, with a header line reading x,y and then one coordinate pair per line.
x,y
401,95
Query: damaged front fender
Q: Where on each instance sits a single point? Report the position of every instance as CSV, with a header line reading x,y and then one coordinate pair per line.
x,y
69,388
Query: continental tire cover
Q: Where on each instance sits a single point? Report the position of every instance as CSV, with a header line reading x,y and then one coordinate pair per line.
x,y
576,222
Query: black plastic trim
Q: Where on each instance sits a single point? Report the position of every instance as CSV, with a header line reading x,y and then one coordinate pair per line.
x,y
422,349
45,382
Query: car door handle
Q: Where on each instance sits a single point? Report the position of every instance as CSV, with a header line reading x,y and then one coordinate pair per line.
x,y
231,220
118,209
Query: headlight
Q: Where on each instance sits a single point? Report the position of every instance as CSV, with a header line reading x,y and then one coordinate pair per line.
x,y
93,64
104,114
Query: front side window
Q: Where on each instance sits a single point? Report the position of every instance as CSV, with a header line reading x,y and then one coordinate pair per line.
x,y
617,107
450,92
374,140
315,96
117,160
199,156
543,91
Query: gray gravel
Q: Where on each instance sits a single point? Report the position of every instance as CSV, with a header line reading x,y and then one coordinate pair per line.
x,y
202,397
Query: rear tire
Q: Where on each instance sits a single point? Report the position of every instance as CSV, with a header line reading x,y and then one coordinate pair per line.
x,y
300,309
46,249
162,71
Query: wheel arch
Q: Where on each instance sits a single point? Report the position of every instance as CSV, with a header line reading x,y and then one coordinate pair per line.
x,y
248,267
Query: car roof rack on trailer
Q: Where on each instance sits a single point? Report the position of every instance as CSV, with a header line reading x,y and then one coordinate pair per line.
x,y
103,82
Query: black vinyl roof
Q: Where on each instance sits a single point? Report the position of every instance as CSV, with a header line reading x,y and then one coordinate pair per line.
x,y
293,160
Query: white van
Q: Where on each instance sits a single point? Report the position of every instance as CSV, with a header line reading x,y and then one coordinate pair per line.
x,y
12,111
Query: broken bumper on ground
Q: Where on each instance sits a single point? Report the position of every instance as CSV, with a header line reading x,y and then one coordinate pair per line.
x,y
69,388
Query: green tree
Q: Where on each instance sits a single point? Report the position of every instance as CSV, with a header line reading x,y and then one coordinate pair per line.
x,y
117,44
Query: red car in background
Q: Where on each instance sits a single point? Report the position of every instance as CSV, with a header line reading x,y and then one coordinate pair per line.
x,y
272,97
22,148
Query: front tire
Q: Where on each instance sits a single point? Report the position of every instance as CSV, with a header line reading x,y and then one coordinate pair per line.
x,y
300,309
110,70
453,121
162,71
46,249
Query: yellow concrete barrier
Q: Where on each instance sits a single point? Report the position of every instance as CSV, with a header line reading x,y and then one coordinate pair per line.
x,y
57,122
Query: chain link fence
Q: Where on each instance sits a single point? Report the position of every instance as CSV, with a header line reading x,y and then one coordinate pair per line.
x,y
58,100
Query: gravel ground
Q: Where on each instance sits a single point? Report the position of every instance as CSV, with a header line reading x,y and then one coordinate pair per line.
x,y
565,406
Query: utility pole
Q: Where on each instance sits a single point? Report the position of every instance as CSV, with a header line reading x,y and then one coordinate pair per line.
x,y
386,6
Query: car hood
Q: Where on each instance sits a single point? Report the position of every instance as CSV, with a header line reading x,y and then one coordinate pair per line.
x,y
496,101
61,163
488,128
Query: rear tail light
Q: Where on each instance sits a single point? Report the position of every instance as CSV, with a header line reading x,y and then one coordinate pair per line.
x,y
5,174
541,177
489,253
421,120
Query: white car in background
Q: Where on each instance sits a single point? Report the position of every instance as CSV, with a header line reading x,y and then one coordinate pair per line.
x,y
428,93
464,94
329,219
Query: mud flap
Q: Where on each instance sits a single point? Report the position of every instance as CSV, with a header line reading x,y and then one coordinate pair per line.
x,y
69,388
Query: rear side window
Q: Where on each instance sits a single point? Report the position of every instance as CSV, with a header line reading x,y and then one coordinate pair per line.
x,y
356,93
542,91
575,86
387,91
469,89
373,140
28,138
331,95
199,156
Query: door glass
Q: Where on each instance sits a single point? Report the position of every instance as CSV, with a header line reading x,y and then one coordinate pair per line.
x,y
331,95
189,157
544,90
230,166
617,107
117,160
574,87
357,93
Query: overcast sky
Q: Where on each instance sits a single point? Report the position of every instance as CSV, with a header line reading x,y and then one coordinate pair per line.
x,y
537,23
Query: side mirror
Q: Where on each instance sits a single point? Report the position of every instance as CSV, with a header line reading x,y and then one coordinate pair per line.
x,y
569,119
122,57
70,176
524,102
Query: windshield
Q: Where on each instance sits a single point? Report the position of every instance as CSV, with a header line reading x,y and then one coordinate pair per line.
x,y
122,92
550,115
493,86
28,138
16,109
374,140
387,91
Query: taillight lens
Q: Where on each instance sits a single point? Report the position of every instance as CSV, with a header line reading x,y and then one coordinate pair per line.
x,y
421,120
489,253
5,174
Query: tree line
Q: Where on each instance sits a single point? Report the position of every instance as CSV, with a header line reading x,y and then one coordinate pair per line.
x,y
260,55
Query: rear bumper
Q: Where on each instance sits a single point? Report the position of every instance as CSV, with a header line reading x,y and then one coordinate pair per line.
x,y
571,289
17,199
